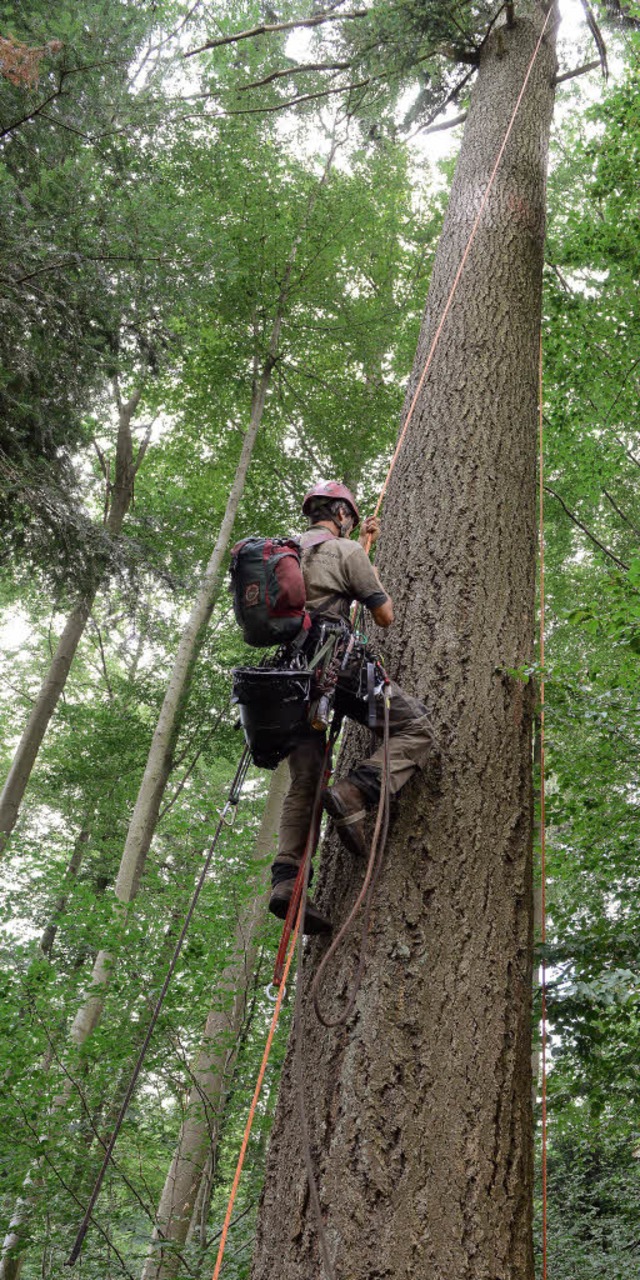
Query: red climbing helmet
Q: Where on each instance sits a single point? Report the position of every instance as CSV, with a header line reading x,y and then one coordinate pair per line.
x,y
335,493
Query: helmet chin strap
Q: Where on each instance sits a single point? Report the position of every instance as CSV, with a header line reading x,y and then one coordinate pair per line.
x,y
344,527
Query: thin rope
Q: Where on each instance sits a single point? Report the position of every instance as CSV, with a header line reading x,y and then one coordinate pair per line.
x,y
314,1193
365,895
543,859
233,798
254,1100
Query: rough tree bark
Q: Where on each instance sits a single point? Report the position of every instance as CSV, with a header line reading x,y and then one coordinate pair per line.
x,y
211,1072
420,1109
119,496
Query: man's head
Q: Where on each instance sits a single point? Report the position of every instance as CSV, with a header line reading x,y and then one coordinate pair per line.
x,y
332,503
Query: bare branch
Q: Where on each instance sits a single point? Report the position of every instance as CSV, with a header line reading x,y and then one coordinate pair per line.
x,y
142,448
115,383
621,513
102,460
267,28
450,97
446,124
592,537
597,35
102,656
132,404
15,124
304,97
578,71
70,128
294,71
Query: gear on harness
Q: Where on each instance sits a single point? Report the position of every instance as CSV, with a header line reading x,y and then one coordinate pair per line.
x,y
296,690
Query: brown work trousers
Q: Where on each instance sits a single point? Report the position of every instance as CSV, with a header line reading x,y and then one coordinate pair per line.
x,y
411,745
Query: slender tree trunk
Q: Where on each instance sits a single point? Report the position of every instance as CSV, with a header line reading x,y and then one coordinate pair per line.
x,y
118,502
73,866
212,1069
420,1109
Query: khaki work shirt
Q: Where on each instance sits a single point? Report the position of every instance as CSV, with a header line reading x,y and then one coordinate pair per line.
x,y
336,572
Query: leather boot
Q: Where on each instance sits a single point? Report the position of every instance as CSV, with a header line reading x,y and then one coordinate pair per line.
x,y
314,921
346,804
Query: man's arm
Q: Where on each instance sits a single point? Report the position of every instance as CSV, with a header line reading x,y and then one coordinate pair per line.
x,y
381,610
383,615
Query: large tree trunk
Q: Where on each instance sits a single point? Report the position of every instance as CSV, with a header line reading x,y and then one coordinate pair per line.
x,y
420,1110
211,1072
119,496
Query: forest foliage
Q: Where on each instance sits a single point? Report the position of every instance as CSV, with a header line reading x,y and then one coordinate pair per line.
x,y
150,203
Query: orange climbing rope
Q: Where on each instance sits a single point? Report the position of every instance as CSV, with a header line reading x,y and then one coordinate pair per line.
x,y
543,867
396,453
254,1100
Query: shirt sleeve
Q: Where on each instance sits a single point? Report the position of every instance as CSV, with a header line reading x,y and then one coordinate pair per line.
x,y
363,580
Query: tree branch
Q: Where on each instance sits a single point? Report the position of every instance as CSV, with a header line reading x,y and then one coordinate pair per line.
x,y
450,97
578,71
15,124
102,656
597,35
132,403
304,97
101,459
446,124
267,28
142,448
622,515
620,563
294,71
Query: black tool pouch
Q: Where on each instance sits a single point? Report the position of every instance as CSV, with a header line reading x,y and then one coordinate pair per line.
x,y
274,710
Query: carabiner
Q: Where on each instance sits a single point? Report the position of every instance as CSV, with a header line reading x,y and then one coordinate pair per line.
x,y
228,822
268,990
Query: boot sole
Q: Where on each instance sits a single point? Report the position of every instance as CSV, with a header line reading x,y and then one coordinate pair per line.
x,y
314,922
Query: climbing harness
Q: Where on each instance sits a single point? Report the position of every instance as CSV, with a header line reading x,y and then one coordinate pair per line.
x,y
230,807
377,848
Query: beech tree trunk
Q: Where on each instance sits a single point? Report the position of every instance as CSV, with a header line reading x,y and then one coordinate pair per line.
x,y
212,1070
119,496
420,1108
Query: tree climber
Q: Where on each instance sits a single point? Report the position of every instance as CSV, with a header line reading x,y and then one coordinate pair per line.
x,y
336,572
